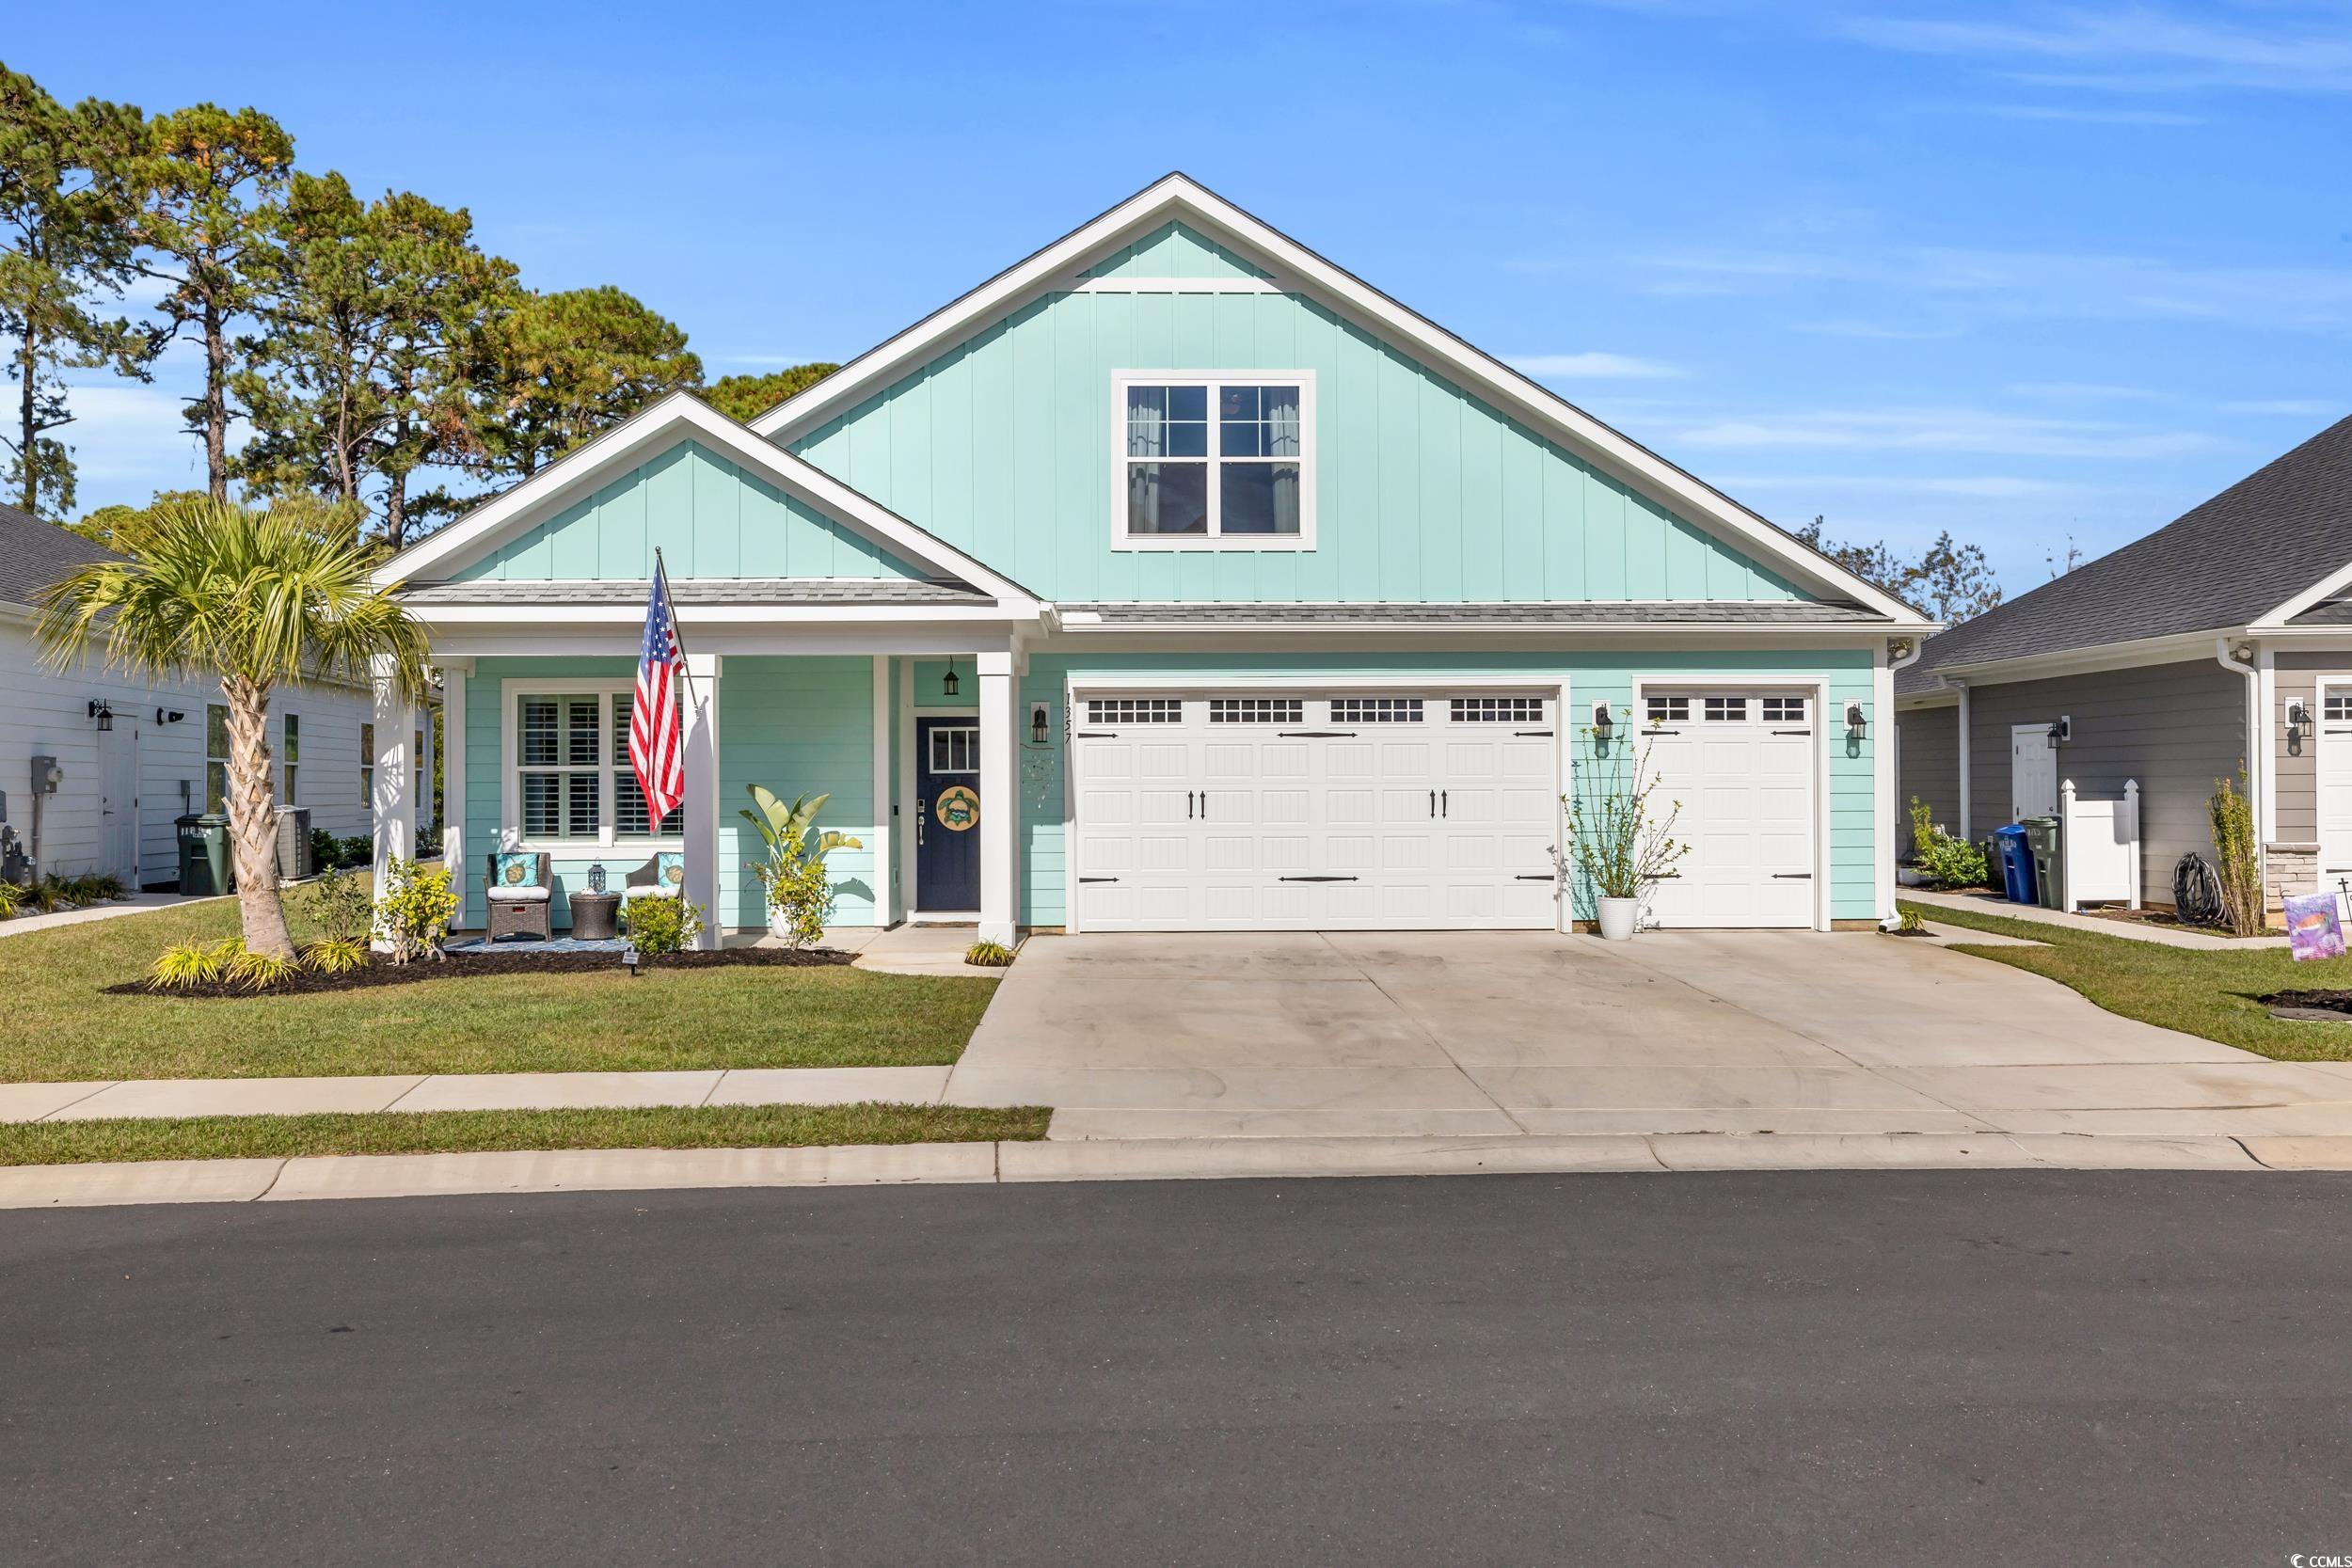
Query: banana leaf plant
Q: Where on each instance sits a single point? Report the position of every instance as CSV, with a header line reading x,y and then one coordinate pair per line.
x,y
784,827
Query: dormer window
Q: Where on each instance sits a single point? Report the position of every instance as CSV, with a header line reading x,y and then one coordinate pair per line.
x,y
1214,461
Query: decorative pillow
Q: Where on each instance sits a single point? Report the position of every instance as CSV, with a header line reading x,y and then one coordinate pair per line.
x,y
518,871
669,868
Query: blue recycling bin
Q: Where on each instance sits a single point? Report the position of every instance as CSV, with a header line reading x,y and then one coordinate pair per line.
x,y
2017,862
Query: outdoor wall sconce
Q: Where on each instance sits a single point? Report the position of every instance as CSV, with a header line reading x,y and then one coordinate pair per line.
x,y
167,716
1602,724
102,713
2298,718
1037,723
2063,731
950,685
1856,726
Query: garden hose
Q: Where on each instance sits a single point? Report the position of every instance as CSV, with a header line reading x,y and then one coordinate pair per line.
x,y
2195,891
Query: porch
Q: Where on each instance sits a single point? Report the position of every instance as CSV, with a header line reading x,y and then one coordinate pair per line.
x,y
912,749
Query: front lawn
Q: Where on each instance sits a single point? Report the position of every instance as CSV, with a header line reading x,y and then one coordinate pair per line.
x,y
58,1022
2200,991
61,1143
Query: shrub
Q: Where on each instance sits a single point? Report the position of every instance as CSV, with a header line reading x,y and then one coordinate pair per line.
x,y
11,898
1619,839
659,925
49,895
342,907
358,849
1908,920
262,970
413,911
2237,858
192,965
988,955
335,954
793,876
326,850
1946,861
95,888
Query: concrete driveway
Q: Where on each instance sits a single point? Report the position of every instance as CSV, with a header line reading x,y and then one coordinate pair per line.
x,y
1470,1034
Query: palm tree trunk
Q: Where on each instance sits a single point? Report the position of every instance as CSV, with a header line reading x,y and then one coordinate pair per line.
x,y
252,820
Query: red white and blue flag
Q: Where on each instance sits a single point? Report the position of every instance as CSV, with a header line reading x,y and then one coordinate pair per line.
x,y
657,738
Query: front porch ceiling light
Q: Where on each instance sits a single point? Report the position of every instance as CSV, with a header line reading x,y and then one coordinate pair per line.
x,y
950,685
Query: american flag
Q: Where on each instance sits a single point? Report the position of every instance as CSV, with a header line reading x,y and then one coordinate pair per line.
x,y
657,741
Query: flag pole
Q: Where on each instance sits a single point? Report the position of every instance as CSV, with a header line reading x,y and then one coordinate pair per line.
x,y
662,576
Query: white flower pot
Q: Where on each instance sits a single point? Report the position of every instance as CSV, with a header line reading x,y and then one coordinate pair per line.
x,y
1618,917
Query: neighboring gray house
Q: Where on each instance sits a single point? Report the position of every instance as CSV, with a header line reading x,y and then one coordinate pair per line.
x,y
2221,641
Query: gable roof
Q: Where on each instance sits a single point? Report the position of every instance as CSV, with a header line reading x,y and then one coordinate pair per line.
x,y
1061,264
655,429
34,554
2251,552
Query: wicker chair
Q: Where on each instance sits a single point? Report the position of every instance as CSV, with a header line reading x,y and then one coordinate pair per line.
x,y
645,881
522,911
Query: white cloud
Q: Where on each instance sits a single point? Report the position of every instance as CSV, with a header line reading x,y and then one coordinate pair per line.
x,y
1848,327
1592,365
2136,47
2074,114
1940,430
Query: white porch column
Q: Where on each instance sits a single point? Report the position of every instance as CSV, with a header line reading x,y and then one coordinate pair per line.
x,y
884,888
394,805
454,676
702,793
1001,799
1882,734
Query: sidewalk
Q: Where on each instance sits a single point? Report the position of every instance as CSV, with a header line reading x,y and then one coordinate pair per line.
x,y
136,903
2130,930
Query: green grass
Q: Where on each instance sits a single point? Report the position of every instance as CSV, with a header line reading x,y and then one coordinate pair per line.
x,y
2200,991
55,1022
64,1143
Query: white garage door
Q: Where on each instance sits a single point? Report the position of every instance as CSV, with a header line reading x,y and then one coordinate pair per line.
x,y
1314,811
1740,764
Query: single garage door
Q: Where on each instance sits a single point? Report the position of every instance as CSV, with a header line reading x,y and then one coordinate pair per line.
x,y
1314,811
1740,764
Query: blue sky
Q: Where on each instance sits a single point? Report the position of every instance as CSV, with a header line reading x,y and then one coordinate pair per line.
x,y
2024,272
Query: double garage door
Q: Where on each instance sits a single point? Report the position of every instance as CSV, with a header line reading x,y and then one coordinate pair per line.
x,y
1397,810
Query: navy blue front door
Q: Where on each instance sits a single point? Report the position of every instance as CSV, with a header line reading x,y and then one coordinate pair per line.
x,y
948,814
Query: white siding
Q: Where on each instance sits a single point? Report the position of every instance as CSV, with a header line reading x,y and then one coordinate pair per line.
x,y
44,712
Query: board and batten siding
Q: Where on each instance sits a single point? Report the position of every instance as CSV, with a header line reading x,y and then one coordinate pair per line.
x,y
2298,674
2176,728
47,713
1927,767
1003,446
798,725
710,519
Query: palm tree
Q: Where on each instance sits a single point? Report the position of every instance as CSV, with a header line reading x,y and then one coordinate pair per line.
x,y
260,599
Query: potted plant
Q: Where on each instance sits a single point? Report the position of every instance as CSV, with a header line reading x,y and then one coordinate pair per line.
x,y
800,890
1622,845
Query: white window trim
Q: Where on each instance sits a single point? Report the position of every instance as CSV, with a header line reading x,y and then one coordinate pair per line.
x,y
512,691
1308,444
289,759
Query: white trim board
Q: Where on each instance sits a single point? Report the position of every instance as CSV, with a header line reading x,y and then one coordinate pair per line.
x,y
1177,196
673,419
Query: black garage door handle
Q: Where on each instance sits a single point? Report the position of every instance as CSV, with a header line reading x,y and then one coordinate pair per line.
x,y
1315,878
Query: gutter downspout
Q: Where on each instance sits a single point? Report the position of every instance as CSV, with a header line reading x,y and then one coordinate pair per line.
x,y
1883,759
1967,826
2257,765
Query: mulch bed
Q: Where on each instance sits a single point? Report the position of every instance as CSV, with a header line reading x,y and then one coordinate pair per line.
x,y
377,972
2316,1006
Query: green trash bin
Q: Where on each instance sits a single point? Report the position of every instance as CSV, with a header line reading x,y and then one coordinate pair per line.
x,y
203,855
2041,839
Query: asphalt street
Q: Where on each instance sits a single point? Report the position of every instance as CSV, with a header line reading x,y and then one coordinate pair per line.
x,y
1804,1369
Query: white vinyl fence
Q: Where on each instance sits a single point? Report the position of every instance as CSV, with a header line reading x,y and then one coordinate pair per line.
x,y
2100,842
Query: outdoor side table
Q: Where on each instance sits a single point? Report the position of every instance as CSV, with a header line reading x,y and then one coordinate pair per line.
x,y
595,916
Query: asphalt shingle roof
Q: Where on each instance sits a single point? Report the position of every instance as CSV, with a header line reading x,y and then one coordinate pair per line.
x,y
34,554
1675,612
2238,556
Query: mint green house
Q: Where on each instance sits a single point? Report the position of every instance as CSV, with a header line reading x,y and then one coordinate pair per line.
x,y
1172,578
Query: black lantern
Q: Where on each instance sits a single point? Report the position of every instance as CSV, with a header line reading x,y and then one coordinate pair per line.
x,y
1854,724
950,685
104,714
1601,722
595,877
1037,724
